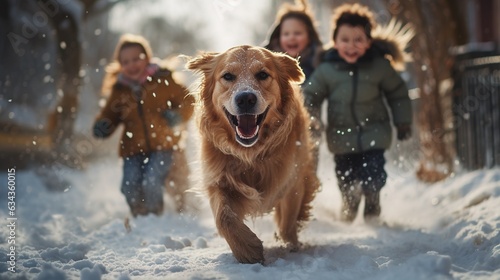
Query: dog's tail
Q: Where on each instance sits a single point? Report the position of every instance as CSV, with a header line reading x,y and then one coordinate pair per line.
x,y
392,41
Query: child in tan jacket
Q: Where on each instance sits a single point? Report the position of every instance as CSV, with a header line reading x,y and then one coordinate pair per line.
x,y
150,104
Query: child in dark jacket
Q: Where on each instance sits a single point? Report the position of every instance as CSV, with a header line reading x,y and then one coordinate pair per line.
x,y
356,78
151,105
294,33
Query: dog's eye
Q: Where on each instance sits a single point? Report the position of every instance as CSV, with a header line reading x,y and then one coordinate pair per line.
x,y
229,77
262,75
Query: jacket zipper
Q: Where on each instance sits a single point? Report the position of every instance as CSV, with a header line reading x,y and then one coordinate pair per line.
x,y
143,119
353,101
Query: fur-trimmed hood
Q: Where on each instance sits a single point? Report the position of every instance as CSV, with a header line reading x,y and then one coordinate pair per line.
x,y
392,40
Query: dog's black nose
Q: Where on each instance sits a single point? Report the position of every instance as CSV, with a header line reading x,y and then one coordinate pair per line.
x,y
246,100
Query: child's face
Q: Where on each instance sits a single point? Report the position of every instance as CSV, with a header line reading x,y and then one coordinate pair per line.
x,y
133,62
351,42
293,36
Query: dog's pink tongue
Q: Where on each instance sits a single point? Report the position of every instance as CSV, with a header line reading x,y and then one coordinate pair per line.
x,y
247,125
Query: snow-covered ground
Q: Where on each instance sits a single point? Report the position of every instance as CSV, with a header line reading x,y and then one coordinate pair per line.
x,y
449,230
70,224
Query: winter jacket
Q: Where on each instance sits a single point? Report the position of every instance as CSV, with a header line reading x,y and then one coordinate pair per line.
x,y
143,113
358,118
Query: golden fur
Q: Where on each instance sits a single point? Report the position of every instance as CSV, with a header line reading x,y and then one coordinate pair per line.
x,y
254,165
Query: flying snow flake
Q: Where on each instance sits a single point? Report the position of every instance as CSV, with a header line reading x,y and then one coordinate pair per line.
x,y
153,135
166,82
129,134
47,79
152,125
34,143
169,104
97,32
59,109
149,78
435,201
298,143
372,143
47,66
63,45
169,139
103,61
154,94
146,160
158,81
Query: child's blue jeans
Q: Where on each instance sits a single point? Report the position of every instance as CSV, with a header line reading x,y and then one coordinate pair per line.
x,y
144,178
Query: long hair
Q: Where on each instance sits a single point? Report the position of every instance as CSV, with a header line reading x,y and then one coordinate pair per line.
x,y
311,56
114,68
299,11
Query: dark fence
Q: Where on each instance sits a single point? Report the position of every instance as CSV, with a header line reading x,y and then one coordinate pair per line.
x,y
476,110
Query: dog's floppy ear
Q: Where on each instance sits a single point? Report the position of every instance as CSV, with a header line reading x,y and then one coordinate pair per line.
x,y
203,63
290,66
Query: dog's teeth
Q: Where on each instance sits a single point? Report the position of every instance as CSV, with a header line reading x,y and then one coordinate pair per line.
x,y
240,134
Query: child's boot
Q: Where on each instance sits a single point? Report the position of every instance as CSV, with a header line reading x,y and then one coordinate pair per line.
x,y
157,209
351,196
372,204
138,207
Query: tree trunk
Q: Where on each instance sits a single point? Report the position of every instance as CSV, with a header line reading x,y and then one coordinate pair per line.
x,y
431,20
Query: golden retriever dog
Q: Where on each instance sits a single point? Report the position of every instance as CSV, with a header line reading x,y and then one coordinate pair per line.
x,y
256,147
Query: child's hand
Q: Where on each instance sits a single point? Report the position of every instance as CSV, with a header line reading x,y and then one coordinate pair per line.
x,y
102,128
404,131
173,117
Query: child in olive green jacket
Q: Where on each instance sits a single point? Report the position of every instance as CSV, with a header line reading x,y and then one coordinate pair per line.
x,y
356,79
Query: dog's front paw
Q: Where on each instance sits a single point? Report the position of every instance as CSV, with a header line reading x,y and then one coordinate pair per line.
x,y
250,250
291,247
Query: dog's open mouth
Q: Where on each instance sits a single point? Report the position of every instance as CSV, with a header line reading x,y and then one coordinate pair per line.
x,y
246,126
